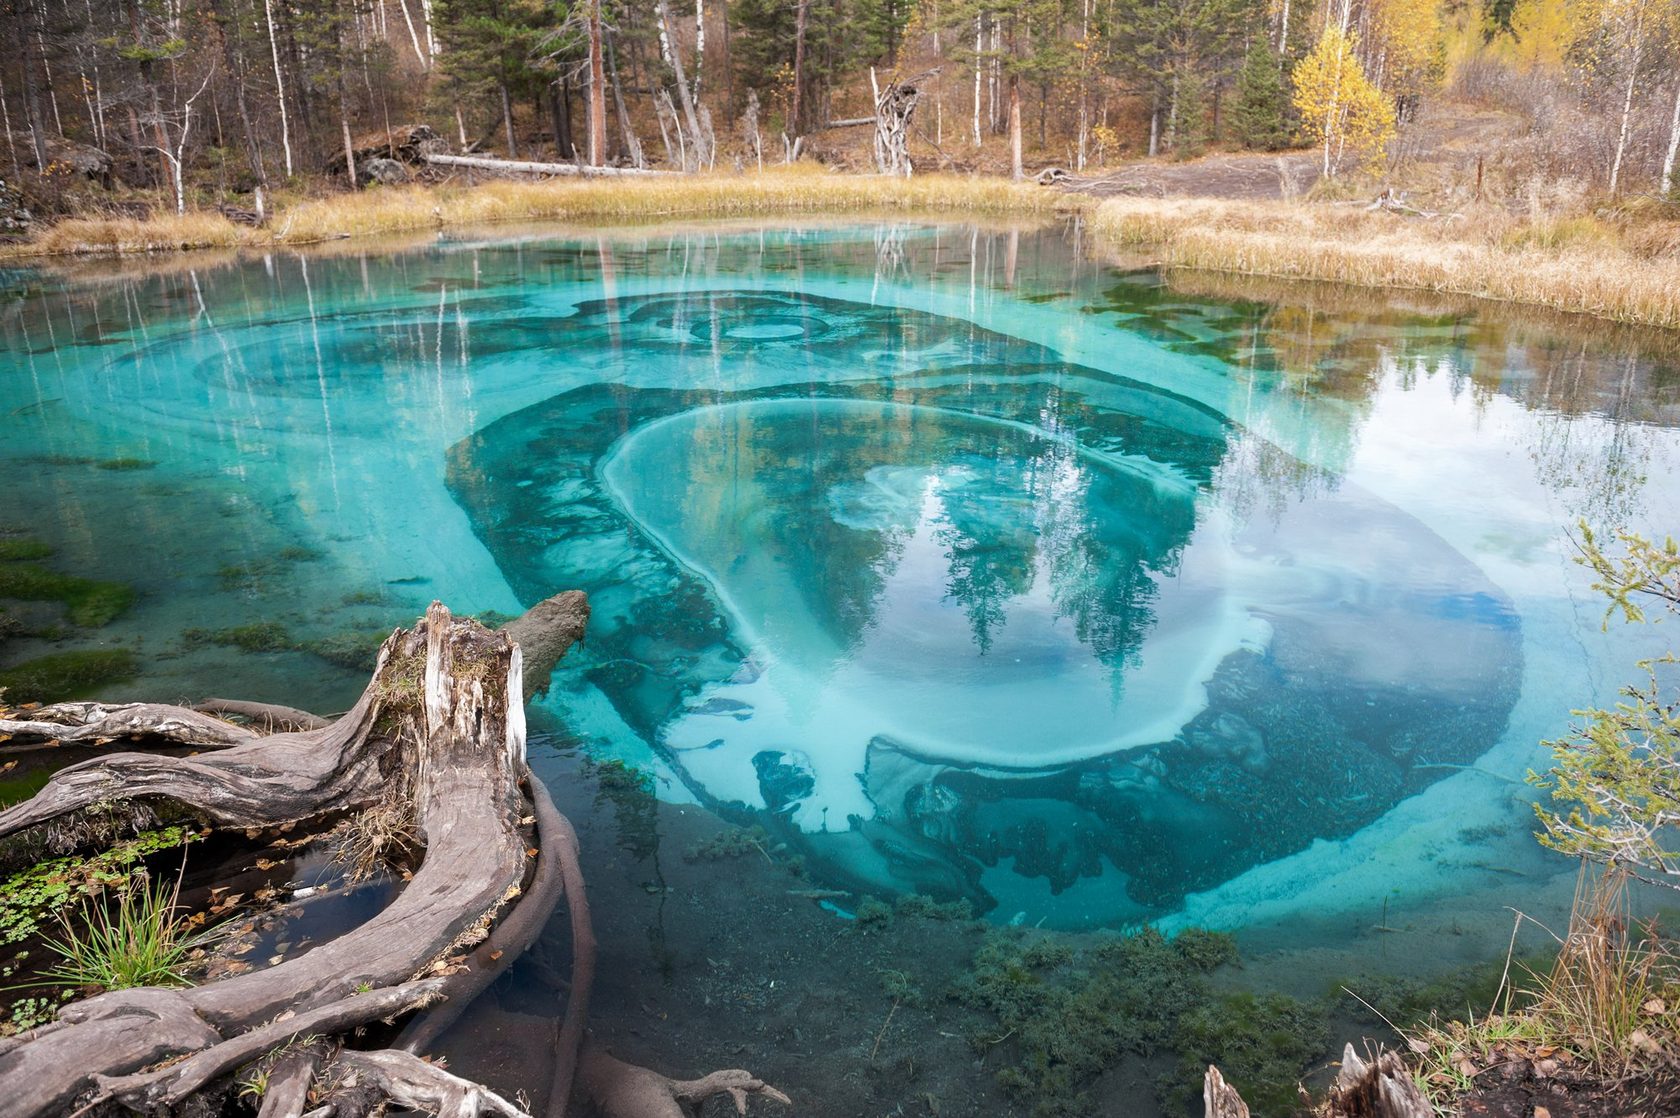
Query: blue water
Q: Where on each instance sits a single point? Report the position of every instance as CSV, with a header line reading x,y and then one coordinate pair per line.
x,y
962,563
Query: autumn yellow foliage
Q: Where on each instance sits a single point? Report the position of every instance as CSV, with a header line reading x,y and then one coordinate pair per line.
x,y
1341,111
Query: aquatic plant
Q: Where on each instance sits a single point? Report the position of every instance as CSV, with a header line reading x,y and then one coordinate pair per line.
x,y
259,636
923,907
872,915
66,675
731,843
138,941
90,602
32,897
1067,1010
23,548
354,649
125,464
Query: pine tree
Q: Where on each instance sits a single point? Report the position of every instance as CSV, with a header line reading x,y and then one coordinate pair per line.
x,y
1259,115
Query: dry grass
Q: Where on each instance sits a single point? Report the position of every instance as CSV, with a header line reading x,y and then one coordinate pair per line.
x,y
1573,264
1606,1010
407,209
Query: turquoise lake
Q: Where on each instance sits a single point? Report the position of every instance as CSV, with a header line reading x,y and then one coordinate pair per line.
x,y
961,562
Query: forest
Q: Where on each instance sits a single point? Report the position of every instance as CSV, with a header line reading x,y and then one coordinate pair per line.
x,y
209,103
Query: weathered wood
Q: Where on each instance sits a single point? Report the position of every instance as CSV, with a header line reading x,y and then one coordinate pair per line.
x,y
439,732
1379,1088
288,1086
409,1081
1219,1098
146,1091
510,939
622,1090
435,729
530,167
70,723
269,717
545,632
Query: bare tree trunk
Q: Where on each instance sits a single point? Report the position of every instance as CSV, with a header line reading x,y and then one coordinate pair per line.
x,y
507,121
344,125
420,55
11,142
1673,143
597,90
1015,127
632,145
1627,111
232,48
799,22
279,86
979,45
31,96
1155,123
683,97
699,47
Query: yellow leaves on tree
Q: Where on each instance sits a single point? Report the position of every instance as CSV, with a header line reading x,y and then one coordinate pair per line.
x,y
1341,111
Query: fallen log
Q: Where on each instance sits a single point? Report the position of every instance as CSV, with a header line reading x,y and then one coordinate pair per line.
x,y
529,167
438,736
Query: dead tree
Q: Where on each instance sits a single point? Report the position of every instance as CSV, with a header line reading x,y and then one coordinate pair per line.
x,y
437,736
894,106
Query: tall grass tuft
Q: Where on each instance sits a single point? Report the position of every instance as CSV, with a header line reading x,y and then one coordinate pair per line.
x,y
1606,1007
138,941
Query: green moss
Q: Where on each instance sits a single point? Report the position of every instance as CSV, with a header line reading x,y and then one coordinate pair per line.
x,y
873,915
732,843
1068,1010
125,464
298,554
24,548
364,598
355,649
259,636
66,675
90,601
922,906
1262,1044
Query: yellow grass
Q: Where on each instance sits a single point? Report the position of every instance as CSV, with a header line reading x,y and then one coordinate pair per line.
x,y
406,209
1628,272
1575,264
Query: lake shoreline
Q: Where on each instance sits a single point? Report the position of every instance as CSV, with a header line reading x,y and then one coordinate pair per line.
x,y
1622,267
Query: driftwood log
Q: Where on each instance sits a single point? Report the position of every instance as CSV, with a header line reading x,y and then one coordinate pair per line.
x,y
894,106
531,167
437,739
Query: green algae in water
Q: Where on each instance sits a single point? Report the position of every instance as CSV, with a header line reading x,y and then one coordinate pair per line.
x,y
90,601
259,636
67,675
24,548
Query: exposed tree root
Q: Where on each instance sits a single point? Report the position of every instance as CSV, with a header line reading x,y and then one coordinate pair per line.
x,y
439,735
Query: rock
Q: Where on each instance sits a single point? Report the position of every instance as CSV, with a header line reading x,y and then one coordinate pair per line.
x,y
386,172
14,216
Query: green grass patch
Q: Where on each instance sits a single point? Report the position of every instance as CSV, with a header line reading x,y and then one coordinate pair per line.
x,y
90,601
66,675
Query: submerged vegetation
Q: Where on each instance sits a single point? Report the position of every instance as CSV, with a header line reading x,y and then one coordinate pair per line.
x,y
67,675
1065,1014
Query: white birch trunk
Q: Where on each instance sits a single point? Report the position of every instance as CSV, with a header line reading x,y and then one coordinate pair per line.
x,y
1673,143
1627,111
279,87
414,38
979,45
